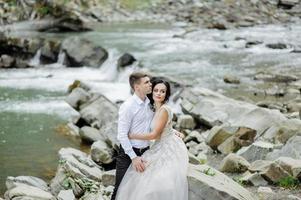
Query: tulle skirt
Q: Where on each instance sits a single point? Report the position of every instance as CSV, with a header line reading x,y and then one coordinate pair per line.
x,y
165,176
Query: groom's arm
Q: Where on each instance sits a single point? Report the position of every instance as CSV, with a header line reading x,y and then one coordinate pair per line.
x,y
157,131
124,123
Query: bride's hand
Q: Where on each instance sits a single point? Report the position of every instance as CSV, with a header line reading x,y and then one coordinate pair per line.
x,y
180,135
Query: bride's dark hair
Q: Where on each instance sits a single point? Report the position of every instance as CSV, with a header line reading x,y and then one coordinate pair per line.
x,y
155,81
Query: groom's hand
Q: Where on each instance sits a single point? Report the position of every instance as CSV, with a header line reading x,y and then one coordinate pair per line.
x,y
138,164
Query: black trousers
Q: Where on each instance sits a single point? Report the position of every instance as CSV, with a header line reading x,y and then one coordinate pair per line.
x,y
123,162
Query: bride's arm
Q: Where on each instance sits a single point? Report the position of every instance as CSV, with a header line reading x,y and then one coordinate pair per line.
x,y
158,129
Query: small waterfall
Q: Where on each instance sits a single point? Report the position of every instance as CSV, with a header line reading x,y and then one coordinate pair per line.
x,y
61,58
109,67
35,61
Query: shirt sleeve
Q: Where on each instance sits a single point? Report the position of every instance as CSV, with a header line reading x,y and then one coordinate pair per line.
x,y
125,117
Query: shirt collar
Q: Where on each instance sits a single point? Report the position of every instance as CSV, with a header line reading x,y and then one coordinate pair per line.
x,y
139,101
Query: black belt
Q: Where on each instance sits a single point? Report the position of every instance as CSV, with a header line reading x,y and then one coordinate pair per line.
x,y
140,150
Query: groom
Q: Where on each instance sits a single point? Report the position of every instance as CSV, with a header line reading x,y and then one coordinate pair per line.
x,y
135,116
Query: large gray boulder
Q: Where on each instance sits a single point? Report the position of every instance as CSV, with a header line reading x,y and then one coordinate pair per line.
x,y
207,183
292,149
77,97
256,151
23,191
291,165
211,109
81,52
76,171
12,182
186,122
234,164
102,114
281,133
228,139
101,152
90,134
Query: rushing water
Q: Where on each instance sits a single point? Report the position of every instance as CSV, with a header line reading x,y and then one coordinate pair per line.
x,y
32,100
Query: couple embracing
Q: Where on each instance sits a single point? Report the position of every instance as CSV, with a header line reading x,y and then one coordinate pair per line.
x,y
142,172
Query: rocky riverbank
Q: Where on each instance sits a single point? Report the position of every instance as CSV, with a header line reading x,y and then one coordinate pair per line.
x,y
61,15
237,150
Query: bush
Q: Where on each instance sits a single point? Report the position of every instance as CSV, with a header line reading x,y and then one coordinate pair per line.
x,y
289,182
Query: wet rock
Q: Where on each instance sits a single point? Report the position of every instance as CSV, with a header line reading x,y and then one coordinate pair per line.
x,y
78,84
208,183
125,60
90,135
231,79
7,61
249,44
277,46
88,54
101,152
50,51
77,97
72,129
288,3
272,105
280,78
93,114
297,49
234,164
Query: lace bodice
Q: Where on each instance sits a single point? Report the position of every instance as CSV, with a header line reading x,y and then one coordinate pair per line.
x,y
168,127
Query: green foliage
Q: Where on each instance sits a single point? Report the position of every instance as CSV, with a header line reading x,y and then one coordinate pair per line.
x,y
135,4
239,181
43,10
289,182
12,2
88,185
209,172
203,161
62,161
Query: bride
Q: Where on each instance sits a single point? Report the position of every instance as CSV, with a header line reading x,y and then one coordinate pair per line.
x,y
166,161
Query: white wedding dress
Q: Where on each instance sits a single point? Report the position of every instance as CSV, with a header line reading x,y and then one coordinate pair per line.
x,y
165,176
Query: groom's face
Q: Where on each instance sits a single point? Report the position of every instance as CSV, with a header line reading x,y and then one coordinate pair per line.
x,y
144,86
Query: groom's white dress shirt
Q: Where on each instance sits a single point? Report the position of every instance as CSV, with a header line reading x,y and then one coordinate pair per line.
x,y
135,116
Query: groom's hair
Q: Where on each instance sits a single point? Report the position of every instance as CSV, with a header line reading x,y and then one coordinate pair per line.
x,y
135,78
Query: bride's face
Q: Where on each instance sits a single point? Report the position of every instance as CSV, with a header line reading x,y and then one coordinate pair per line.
x,y
159,93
